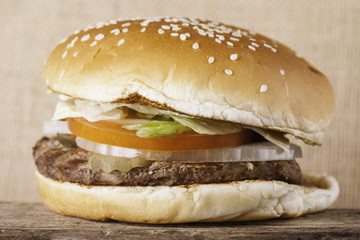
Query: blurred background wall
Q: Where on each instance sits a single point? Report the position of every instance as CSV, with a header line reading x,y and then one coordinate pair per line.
x,y
326,33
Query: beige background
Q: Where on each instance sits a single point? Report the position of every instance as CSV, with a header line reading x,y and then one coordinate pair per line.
x,y
325,32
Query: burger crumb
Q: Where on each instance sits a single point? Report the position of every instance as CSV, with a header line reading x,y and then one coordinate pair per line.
x,y
250,166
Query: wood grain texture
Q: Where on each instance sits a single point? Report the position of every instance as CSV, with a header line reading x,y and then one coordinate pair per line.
x,y
34,221
326,33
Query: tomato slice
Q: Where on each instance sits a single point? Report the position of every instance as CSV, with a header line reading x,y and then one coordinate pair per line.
x,y
113,134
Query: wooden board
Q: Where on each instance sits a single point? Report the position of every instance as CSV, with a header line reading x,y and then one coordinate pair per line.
x,y
325,32
35,221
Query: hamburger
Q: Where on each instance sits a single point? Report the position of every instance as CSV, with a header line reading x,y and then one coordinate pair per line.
x,y
173,120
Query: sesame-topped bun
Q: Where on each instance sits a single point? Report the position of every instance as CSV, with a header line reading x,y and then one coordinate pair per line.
x,y
200,68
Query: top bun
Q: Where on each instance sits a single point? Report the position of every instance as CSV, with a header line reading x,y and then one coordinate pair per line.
x,y
196,67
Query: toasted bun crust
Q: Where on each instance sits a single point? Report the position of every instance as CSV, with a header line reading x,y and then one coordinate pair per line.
x,y
200,68
237,201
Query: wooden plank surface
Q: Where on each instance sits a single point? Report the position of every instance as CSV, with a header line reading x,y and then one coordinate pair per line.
x,y
324,32
35,221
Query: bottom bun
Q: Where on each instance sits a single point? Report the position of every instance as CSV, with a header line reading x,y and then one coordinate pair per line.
x,y
236,201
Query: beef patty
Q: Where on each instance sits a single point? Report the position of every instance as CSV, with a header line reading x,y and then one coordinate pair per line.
x,y
59,162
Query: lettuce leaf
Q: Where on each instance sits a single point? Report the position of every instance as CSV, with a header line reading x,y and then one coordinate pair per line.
x,y
207,126
157,128
91,111
277,138
161,122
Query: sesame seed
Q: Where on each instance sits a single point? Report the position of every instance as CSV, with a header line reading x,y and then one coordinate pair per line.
x,y
125,24
234,39
64,54
217,40
211,60
93,43
230,43
61,74
74,40
218,31
144,23
76,31
202,33
113,21
176,29
125,30
115,31
274,50
221,37
185,24
187,34
236,34
89,27
252,39
174,34
85,37
72,43
195,46
233,56
161,31
263,88
143,30
166,27
252,32
282,72
100,25
99,37
252,48
182,36
121,41
173,25
267,45
75,54
228,72
255,44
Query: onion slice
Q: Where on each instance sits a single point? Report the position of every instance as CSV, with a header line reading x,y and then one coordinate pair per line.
x,y
54,127
262,151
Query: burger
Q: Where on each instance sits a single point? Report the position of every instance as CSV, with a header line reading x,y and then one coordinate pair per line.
x,y
173,120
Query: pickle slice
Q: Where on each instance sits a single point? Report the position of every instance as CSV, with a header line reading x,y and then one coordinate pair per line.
x,y
110,163
66,140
